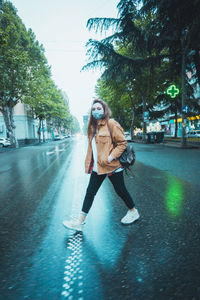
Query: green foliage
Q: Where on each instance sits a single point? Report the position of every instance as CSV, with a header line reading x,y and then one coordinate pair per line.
x,y
144,55
46,102
13,57
25,75
74,125
174,22
128,60
118,99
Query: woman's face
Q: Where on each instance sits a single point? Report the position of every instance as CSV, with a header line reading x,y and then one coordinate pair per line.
x,y
97,106
97,111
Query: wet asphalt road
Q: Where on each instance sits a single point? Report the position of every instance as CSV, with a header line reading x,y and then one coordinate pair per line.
x,y
155,258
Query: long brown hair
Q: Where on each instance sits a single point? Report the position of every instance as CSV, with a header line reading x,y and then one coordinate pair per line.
x,y
92,123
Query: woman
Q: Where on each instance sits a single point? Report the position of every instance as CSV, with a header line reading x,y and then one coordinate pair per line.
x,y
102,160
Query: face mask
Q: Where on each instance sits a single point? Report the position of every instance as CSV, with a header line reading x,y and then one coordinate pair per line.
x,y
97,114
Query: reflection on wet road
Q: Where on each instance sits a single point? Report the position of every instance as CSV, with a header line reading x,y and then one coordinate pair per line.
x,y
155,258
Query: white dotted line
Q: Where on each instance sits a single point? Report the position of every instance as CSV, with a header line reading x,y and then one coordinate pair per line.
x,y
73,272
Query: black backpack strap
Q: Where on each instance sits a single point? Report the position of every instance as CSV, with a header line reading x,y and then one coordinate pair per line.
x,y
131,171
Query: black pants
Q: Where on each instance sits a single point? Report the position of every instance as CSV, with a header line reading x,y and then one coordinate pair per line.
x,y
95,182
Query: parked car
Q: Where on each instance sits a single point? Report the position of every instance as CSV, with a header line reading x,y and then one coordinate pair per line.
x,y
139,135
57,137
194,133
127,136
4,142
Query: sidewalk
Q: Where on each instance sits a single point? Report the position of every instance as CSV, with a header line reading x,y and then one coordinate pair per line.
x,y
7,149
178,145
175,144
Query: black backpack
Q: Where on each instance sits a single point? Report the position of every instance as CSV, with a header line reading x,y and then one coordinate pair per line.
x,y
127,158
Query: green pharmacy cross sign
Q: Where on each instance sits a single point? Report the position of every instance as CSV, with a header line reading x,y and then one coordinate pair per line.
x,y
172,91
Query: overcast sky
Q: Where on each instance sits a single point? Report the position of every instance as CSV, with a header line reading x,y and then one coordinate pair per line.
x,y
61,27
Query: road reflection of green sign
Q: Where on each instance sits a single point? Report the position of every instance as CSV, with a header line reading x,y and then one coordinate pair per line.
x,y
173,91
174,197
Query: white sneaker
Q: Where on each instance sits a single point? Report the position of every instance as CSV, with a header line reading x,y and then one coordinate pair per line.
x,y
130,217
73,224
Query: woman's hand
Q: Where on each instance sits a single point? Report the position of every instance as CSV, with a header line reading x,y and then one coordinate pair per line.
x,y
110,158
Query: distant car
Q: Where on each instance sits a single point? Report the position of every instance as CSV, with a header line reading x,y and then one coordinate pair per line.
x,y
127,136
194,133
4,142
166,134
57,137
139,135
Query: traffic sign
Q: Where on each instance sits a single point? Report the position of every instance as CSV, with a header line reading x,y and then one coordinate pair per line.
x,y
185,109
172,91
146,115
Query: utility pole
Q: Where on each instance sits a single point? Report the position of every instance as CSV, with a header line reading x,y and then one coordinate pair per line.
x,y
183,46
144,121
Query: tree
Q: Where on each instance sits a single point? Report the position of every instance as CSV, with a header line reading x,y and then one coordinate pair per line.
x,y
20,58
13,64
46,103
25,75
148,32
74,125
123,105
176,24
128,55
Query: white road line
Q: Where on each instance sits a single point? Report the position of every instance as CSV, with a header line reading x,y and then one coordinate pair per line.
x,y
49,153
73,272
73,287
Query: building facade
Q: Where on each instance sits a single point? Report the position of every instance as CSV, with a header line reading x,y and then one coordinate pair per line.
x,y
26,130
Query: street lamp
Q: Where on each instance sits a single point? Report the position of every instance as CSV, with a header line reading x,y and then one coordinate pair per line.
x,y
184,49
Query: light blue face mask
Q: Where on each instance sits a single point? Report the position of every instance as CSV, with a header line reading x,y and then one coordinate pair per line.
x,y
97,113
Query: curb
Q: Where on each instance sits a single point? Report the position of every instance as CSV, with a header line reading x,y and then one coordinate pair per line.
x,y
178,145
171,144
8,149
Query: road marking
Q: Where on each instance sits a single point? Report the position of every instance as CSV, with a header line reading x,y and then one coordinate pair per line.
x,y
73,272
56,150
49,153
73,287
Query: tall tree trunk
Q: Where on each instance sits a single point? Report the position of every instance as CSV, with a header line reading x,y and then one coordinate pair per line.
x,y
197,64
176,123
133,116
39,132
183,134
144,123
43,137
9,122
